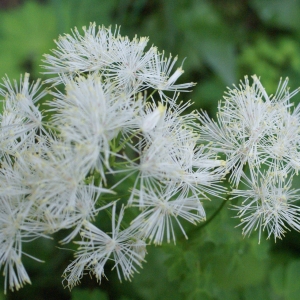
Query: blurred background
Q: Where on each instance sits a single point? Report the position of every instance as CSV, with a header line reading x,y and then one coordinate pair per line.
x,y
222,41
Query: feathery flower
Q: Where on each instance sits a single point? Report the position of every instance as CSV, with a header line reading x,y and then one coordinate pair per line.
x,y
162,206
170,153
18,224
89,116
124,247
268,205
21,119
58,189
116,58
248,122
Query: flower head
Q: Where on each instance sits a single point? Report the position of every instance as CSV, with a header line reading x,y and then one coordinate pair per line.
x,y
123,247
169,153
252,128
18,225
89,116
21,119
268,205
163,206
118,59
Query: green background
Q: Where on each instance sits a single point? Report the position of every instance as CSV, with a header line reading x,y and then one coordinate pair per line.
x,y
222,41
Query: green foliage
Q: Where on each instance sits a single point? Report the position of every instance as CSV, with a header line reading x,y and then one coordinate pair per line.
x,y
284,280
78,294
26,33
280,14
152,282
218,264
272,59
213,43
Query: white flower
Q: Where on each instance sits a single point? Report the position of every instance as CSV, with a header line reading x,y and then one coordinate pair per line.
x,y
283,145
170,153
85,208
124,247
267,205
118,59
63,199
163,67
129,69
29,91
89,116
249,125
153,117
115,57
76,54
18,224
163,206
21,119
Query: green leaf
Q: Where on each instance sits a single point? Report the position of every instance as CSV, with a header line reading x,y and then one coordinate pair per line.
x,y
80,294
292,287
277,280
152,283
210,38
191,258
26,33
219,54
257,292
283,14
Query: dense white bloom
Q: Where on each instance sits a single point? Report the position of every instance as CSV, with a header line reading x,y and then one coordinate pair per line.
x,y
89,116
86,208
157,118
18,224
124,247
59,191
20,119
71,58
95,50
53,180
250,125
130,70
170,153
267,205
118,59
284,144
163,206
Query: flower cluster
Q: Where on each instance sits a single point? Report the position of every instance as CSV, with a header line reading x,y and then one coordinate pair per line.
x,y
103,134
259,137
117,139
